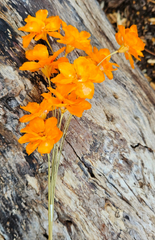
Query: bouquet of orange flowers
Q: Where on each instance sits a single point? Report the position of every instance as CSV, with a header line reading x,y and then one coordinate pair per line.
x,y
73,84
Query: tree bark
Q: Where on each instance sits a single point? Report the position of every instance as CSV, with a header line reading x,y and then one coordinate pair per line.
x,y
105,188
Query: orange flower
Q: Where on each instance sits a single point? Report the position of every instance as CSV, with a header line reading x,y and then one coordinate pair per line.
x,y
74,39
66,98
130,43
40,26
106,67
41,134
37,110
45,62
83,73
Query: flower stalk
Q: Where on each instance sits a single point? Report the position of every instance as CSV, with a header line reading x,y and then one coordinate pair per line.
x,y
53,171
107,57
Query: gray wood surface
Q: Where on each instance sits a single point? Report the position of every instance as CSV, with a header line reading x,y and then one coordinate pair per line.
x,y
106,181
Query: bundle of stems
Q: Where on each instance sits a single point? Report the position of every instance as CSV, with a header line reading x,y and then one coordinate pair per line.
x,y
53,165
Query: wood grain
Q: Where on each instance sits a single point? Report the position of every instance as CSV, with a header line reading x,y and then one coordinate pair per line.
x,y
106,181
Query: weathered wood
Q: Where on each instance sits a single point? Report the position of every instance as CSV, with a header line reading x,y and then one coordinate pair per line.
x,y
106,181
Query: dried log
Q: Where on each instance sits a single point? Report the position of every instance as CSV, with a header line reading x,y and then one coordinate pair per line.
x,y
106,182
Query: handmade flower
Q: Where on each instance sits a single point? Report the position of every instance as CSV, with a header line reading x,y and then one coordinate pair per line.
x,y
105,66
41,134
36,110
40,26
83,73
130,43
65,98
46,63
74,39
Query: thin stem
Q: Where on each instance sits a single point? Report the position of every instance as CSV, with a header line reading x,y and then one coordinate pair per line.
x,y
63,139
49,45
49,82
55,112
58,115
107,57
55,159
61,117
52,173
49,199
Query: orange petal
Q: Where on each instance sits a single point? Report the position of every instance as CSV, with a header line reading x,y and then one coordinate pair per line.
x,y
26,138
55,34
121,29
56,93
27,39
99,77
65,90
52,58
30,19
60,60
54,133
128,57
82,66
37,53
31,66
84,34
32,146
53,24
33,27
133,28
27,118
30,107
50,123
67,69
41,35
42,14
61,79
45,146
85,90
59,135
69,49
119,38
77,110
37,125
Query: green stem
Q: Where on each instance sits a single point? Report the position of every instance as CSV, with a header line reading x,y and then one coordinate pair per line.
x,y
63,139
52,173
49,199
55,160
107,57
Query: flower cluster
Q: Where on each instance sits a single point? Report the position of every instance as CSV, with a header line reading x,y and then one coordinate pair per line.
x,y
74,82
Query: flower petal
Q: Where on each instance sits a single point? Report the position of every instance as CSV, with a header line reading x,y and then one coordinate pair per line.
x,y
53,24
67,69
32,146
28,117
45,146
27,39
55,34
37,53
42,14
31,66
78,109
33,27
26,138
50,123
30,107
37,125
85,90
